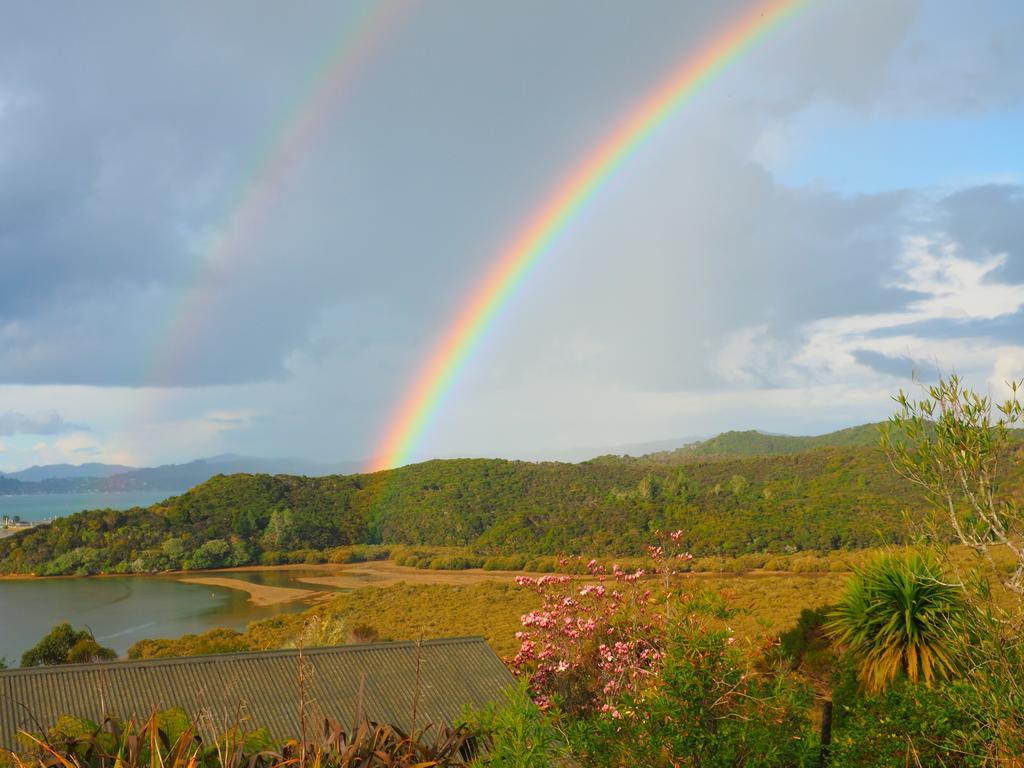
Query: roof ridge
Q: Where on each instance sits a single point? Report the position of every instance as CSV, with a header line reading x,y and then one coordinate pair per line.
x,y
208,658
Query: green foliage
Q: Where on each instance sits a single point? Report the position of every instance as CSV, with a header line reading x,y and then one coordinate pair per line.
x,y
87,650
705,708
991,693
63,645
910,724
517,733
899,617
214,553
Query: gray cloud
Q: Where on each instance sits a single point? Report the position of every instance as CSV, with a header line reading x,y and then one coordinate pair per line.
x,y
988,220
115,171
903,366
12,423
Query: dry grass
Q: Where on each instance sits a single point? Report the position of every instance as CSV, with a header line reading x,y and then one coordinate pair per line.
x,y
385,573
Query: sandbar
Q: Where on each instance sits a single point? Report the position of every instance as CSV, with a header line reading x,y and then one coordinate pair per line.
x,y
259,594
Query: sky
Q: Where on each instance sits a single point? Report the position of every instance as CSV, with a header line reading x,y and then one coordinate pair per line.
x,y
842,207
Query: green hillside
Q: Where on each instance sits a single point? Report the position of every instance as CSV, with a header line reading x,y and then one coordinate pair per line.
x,y
754,443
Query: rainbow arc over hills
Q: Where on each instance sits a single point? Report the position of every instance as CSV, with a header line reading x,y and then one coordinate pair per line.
x,y
463,336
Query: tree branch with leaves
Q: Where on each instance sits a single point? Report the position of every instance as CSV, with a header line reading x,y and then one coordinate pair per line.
x,y
956,446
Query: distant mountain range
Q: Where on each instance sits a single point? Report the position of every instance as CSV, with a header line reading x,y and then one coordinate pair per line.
x,y
62,471
111,478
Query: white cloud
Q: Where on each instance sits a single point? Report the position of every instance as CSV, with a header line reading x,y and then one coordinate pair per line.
x,y
952,289
956,288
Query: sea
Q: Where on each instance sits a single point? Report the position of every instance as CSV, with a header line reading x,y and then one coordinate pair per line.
x,y
39,507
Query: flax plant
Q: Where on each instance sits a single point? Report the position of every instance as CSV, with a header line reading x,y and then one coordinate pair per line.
x,y
899,617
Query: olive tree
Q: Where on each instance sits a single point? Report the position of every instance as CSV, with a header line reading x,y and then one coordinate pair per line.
x,y
956,445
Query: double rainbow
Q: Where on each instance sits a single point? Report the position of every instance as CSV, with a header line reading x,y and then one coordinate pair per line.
x,y
463,336
330,80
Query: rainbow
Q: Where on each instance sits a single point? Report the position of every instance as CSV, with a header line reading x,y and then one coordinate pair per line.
x,y
463,336
293,137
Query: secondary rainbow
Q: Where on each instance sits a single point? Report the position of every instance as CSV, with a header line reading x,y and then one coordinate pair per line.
x,y
462,337
295,134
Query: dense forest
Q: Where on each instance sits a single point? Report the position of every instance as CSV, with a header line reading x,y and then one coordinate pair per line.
x,y
824,498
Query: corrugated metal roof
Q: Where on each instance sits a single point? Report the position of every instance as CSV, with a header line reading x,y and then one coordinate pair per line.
x,y
263,688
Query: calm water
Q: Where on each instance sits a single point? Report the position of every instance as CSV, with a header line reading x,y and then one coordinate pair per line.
x,y
123,609
43,506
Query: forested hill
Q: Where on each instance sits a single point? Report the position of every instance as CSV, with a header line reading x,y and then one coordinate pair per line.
x,y
754,443
820,499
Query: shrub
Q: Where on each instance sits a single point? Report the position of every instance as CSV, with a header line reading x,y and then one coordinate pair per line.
x,y
908,724
63,645
214,641
517,734
586,642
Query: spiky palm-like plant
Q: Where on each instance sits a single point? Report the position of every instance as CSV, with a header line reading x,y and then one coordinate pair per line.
x,y
898,616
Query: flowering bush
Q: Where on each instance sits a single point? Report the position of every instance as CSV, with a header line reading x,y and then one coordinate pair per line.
x,y
704,707
598,638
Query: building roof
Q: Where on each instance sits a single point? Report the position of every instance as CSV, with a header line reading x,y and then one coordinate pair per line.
x,y
263,687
